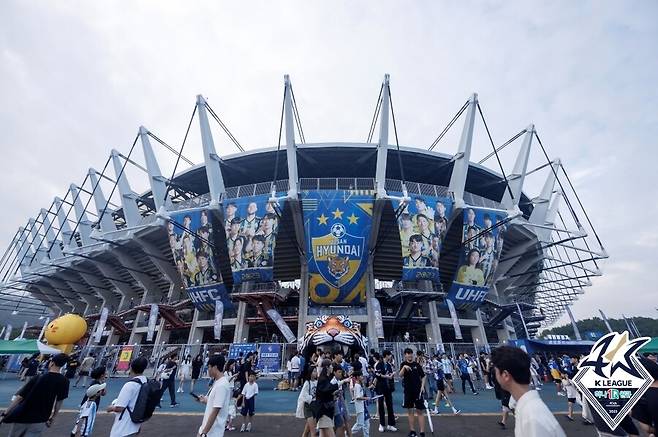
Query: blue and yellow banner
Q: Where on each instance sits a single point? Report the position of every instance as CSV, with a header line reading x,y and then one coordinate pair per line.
x,y
423,224
192,238
483,231
337,225
251,225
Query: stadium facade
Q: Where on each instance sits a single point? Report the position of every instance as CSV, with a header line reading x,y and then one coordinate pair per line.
x,y
393,242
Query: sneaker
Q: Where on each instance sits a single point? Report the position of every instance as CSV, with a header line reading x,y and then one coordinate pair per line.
x,y
475,393
248,427
489,387
175,404
457,412
242,428
502,425
570,418
422,434
560,393
391,428
538,388
412,433
435,411
381,428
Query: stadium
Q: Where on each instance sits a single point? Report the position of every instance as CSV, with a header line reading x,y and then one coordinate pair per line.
x,y
356,244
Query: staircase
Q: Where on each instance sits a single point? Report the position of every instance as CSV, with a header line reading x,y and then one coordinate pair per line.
x,y
387,259
287,265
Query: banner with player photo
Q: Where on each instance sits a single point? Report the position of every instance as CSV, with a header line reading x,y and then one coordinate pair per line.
x,y
423,225
337,228
483,231
251,225
195,244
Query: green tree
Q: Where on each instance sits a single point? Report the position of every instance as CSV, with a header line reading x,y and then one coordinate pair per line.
x,y
647,326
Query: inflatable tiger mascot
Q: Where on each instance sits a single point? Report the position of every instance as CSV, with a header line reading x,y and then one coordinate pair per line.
x,y
334,328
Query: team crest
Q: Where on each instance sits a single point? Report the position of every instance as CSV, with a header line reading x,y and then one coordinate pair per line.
x,y
611,377
338,255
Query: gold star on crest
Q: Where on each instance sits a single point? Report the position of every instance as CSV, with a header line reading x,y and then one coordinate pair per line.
x,y
322,220
338,214
353,219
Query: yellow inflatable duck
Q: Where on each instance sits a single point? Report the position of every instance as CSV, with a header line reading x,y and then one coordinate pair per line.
x,y
63,332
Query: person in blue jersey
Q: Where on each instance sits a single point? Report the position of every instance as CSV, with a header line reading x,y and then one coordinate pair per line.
x,y
462,365
84,425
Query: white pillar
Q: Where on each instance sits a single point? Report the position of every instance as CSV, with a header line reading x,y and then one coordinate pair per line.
x,y
291,147
65,229
106,222
84,224
55,249
210,157
128,198
463,156
382,145
540,203
157,181
576,331
37,241
516,178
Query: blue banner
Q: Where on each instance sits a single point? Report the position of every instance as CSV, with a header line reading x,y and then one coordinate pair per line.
x,y
251,225
269,357
193,242
236,348
483,230
337,225
423,225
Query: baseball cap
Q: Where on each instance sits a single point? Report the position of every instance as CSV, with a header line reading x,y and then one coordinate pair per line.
x,y
95,389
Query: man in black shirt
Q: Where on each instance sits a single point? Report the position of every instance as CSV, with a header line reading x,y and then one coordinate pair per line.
x,y
37,403
384,387
413,380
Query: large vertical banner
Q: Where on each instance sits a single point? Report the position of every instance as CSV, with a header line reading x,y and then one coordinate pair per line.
x,y
337,225
194,244
482,243
423,225
251,225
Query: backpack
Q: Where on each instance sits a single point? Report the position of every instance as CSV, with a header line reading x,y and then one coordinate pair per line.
x,y
147,399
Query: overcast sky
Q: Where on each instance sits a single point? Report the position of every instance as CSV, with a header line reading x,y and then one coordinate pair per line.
x,y
78,78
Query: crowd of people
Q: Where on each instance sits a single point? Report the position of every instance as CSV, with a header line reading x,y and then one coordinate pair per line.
x,y
336,393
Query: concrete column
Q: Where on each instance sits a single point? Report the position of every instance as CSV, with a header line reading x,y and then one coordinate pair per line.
x,y
433,329
241,327
196,333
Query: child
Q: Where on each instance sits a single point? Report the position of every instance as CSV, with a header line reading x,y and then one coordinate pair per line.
x,y
232,410
362,417
572,394
85,423
249,392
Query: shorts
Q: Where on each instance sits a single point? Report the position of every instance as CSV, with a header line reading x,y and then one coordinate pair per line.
x,y
83,373
448,376
294,375
440,385
571,400
413,400
325,422
248,407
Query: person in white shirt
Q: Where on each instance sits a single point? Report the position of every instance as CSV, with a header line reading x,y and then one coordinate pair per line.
x,y
572,394
123,425
447,372
533,418
295,368
362,422
217,401
249,392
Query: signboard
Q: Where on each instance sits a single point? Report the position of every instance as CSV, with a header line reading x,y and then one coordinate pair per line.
x,y
251,226
422,226
337,228
235,349
269,357
194,244
124,358
482,243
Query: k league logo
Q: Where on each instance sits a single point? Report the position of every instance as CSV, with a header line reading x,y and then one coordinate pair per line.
x,y
611,378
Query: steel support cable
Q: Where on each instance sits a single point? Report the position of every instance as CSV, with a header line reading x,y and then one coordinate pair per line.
x,y
395,131
298,119
447,128
278,147
168,147
509,189
224,128
88,200
373,123
572,244
477,236
15,259
7,254
502,146
36,249
180,154
581,206
114,187
566,198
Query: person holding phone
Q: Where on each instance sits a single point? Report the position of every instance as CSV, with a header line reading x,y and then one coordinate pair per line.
x,y
413,378
216,401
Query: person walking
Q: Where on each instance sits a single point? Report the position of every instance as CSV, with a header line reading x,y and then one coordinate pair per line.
x,y
123,425
85,368
197,364
38,402
413,382
532,416
325,396
463,365
306,397
249,392
385,386
362,422
217,401
84,425
185,372
447,372
168,378
295,368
